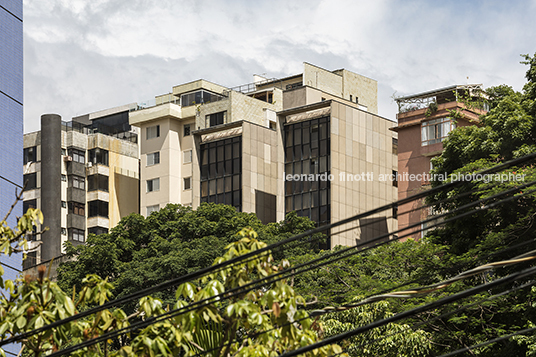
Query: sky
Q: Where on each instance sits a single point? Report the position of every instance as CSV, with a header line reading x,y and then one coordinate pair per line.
x,y
85,56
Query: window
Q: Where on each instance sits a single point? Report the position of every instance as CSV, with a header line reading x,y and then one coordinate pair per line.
x,y
351,98
97,230
151,209
153,158
98,156
307,152
29,204
98,208
63,231
434,131
187,156
78,155
215,119
77,234
77,182
63,204
30,180
64,178
395,212
97,182
395,178
187,183
77,208
153,132
153,185
294,85
221,172
187,128
198,97
395,146
63,151
30,154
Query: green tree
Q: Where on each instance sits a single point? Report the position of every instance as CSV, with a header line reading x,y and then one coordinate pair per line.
x,y
506,132
253,322
141,252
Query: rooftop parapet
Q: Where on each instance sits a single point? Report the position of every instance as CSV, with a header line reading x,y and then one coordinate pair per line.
x,y
454,93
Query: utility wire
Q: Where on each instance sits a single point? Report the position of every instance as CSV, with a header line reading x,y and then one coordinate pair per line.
x,y
239,259
498,339
412,312
263,281
202,272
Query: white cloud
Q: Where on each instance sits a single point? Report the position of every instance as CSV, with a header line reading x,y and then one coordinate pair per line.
x,y
84,56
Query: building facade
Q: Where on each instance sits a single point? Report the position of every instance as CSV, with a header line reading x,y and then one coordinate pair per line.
x,y
424,121
207,143
11,125
83,175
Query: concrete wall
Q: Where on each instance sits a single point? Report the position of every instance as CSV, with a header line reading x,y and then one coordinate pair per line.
x,y
366,89
322,79
51,161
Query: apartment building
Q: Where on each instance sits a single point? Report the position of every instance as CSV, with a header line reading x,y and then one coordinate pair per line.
x,y
83,175
424,121
204,142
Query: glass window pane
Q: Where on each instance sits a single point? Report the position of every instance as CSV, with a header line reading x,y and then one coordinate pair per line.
x,y
204,189
220,185
212,187
228,184
297,202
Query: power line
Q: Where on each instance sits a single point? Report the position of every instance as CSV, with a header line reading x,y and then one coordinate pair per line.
x,y
498,339
411,312
205,271
251,286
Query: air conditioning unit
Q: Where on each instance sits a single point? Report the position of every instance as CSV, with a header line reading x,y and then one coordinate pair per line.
x,y
67,158
89,164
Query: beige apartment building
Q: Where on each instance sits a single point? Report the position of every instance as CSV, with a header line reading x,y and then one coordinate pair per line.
x,y
311,143
83,175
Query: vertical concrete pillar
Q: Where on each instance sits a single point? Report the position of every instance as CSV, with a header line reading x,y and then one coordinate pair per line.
x,y
51,185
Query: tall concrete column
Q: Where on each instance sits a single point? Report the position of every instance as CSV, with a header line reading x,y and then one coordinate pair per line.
x,y
51,185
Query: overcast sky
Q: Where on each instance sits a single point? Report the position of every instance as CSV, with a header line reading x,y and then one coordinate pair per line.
x,y
84,56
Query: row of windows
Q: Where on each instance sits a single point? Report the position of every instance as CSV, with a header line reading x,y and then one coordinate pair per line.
x,y
307,151
152,132
221,172
307,200
199,97
153,185
308,139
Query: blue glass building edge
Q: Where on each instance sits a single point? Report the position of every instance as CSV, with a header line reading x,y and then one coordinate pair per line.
x,y
11,126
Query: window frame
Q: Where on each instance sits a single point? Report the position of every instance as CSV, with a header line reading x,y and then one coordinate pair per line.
x,y
187,154
436,126
189,181
149,134
155,158
153,185
187,130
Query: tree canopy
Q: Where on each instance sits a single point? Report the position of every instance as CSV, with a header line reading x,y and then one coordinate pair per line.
x,y
141,252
